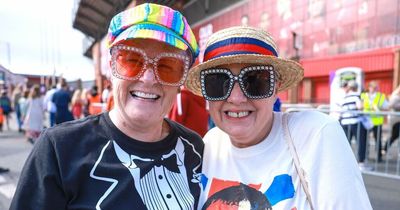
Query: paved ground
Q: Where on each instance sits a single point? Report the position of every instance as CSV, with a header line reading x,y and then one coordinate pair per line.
x,y
14,150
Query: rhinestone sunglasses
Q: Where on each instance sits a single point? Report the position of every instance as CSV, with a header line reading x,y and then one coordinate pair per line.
x,y
129,63
256,82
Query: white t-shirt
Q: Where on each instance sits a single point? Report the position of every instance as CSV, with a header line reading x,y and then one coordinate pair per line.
x,y
47,101
332,172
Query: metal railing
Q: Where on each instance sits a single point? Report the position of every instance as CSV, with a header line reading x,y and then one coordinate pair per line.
x,y
389,165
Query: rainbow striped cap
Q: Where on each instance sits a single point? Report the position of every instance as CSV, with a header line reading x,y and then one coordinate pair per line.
x,y
153,21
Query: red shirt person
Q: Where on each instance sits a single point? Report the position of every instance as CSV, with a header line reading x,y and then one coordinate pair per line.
x,y
190,111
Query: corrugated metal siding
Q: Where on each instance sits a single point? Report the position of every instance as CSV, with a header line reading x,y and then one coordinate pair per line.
x,y
321,91
370,61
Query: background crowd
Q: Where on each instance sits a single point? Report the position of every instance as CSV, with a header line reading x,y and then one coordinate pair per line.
x,y
360,116
37,107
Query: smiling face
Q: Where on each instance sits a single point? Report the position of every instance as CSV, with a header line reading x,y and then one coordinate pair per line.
x,y
246,121
141,104
372,87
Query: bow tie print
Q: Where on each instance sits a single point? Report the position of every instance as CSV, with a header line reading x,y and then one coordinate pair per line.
x,y
146,165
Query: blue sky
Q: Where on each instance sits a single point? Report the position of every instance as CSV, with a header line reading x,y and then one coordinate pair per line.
x,y
36,37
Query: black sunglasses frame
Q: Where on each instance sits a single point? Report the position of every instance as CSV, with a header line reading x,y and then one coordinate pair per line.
x,y
238,78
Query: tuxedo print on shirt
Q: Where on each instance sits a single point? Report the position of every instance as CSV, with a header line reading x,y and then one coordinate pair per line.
x,y
162,182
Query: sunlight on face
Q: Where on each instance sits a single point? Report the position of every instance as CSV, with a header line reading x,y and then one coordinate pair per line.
x,y
144,102
246,121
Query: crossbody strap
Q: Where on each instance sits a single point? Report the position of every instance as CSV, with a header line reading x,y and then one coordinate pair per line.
x,y
296,160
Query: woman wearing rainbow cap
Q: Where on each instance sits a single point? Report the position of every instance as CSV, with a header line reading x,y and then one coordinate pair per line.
x,y
130,157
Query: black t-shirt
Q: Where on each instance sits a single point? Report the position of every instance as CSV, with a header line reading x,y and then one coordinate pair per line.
x,y
91,164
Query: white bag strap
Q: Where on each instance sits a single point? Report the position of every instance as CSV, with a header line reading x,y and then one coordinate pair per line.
x,y
295,157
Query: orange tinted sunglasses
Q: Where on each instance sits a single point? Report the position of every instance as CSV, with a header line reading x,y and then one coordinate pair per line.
x,y
129,63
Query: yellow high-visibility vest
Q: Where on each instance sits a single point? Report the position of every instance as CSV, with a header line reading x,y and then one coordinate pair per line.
x,y
369,104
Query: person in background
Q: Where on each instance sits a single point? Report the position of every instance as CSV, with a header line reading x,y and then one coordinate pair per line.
x,y
77,104
290,159
85,102
62,100
190,111
49,105
394,104
106,92
131,157
23,105
16,95
375,101
43,89
33,121
351,121
1,119
5,104
350,104
94,101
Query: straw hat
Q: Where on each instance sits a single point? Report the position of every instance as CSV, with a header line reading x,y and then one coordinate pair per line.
x,y
247,45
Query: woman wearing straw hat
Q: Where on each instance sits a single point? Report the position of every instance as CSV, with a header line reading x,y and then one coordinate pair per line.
x,y
295,160
130,157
